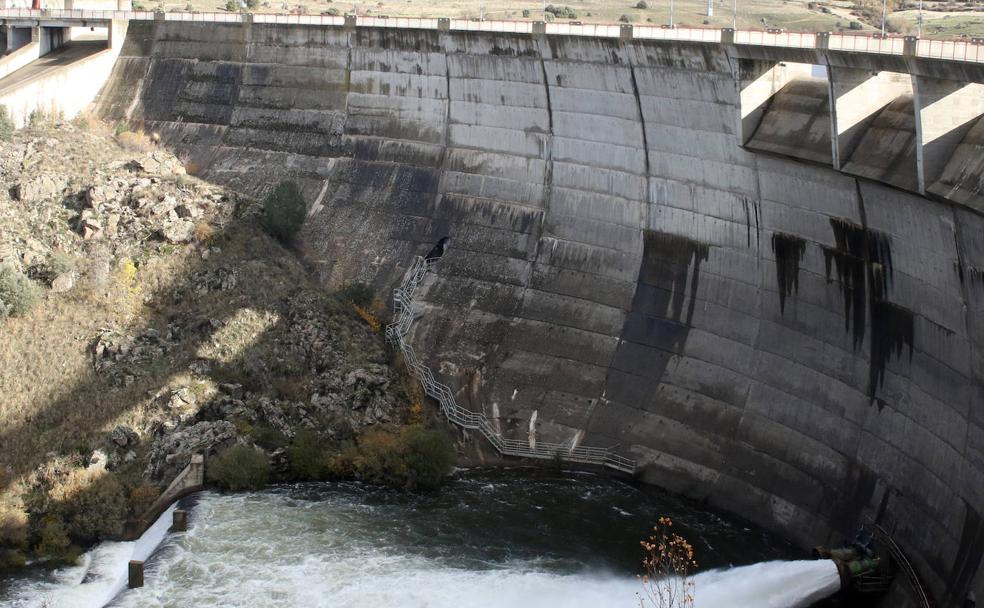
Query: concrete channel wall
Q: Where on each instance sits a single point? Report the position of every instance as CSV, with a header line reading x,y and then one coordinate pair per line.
x,y
791,343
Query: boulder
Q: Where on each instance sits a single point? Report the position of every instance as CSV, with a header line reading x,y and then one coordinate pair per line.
x,y
63,282
39,188
124,436
180,231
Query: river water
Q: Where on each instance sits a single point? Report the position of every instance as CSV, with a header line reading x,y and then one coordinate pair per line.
x,y
489,539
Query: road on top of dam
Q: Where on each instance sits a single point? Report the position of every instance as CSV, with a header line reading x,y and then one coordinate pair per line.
x,y
73,51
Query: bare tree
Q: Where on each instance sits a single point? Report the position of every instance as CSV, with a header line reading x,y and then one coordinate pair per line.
x,y
669,563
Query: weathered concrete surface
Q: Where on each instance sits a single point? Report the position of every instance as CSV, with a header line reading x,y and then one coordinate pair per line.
x,y
858,96
788,342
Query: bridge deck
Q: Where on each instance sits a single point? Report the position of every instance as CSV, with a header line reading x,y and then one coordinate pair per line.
x,y
76,50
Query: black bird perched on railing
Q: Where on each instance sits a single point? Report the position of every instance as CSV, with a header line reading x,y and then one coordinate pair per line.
x,y
439,249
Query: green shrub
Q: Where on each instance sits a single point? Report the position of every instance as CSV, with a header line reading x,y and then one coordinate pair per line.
x,y
334,12
91,504
251,4
562,12
855,25
11,559
626,18
18,294
413,458
54,544
526,13
267,438
642,4
232,6
239,468
6,124
429,458
285,210
307,456
59,263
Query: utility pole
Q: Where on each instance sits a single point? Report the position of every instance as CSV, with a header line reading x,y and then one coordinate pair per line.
x,y
671,13
734,24
710,8
919,21
884,10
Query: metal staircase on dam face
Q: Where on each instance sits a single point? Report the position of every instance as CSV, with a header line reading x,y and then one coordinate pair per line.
x,y
397,333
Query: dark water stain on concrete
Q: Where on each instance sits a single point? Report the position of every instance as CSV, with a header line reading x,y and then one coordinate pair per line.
x,y
667,262
789,251
862,259
892,329
847,259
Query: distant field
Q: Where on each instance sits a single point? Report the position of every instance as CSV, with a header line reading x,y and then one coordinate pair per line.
x,y
794,15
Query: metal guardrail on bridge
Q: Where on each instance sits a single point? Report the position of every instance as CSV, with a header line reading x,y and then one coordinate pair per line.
x,y
969,50
397,333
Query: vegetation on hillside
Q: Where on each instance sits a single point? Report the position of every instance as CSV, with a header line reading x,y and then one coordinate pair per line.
x,y
151,316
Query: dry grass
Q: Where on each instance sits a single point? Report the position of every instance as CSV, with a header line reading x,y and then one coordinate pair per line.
x,y
135,141
204,232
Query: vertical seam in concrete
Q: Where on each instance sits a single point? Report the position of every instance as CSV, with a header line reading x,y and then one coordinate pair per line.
x,y
547,167
835,159
968,318
645,140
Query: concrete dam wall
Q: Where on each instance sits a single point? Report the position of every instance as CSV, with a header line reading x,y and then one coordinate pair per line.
x,y
789,342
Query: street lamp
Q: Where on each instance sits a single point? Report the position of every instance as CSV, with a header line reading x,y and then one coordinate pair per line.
x,y
671,13
884,10
734,24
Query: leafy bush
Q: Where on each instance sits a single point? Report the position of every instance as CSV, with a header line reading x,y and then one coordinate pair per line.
x,y
413,458
285,210
90,502
267,438
240,468
429,458
562,12
855,25
142,497
334,12
526,13
251,4
13,526
232,6
59,263
642,4
307,456
6,124
626,18
54,544
18,294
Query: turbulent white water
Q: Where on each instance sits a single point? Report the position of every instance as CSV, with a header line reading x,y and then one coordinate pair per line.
x,y
483,543
100,576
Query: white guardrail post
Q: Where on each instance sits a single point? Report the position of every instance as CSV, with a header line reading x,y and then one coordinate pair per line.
x,y
397,334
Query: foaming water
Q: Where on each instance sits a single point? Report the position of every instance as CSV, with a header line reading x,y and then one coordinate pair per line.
x,y
100,576
795,584
490,539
